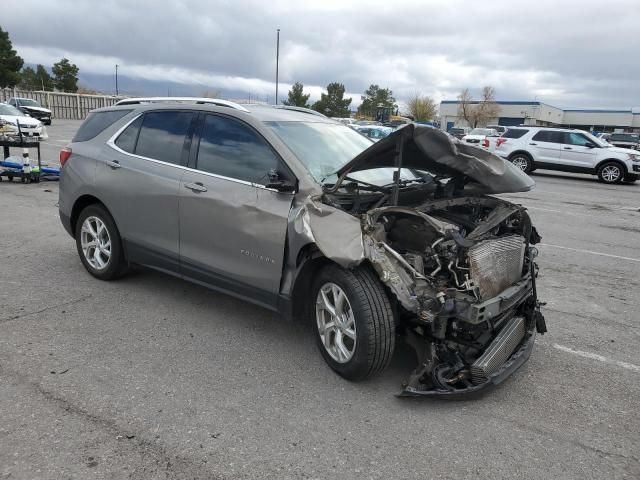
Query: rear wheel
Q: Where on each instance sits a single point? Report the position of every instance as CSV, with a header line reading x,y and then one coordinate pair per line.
x,y
610,172
523,162
99,244
354,321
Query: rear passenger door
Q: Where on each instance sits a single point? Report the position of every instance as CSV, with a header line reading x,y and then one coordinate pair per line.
x,y
232,228
545,146
140,183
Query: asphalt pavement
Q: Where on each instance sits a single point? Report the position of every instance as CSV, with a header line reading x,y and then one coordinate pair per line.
x,y
153,377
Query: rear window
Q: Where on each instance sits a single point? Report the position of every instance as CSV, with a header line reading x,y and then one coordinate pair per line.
x,y
514,133
96,122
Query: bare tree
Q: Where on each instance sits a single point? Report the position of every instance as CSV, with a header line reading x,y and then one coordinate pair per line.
x,y
478,112
421,107
465,108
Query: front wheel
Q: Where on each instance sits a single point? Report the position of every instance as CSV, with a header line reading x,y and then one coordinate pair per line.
x,y
610,172
98,243
523,162
354,321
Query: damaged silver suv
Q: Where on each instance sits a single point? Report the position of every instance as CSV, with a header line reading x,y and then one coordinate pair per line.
x,y
285,208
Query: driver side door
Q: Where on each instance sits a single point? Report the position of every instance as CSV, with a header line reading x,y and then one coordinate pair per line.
x,y
576,153
232,227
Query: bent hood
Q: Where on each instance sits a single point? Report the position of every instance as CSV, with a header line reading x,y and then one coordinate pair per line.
x,y
433,151
36,109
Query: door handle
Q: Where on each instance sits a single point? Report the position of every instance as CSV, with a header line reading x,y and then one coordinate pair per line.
x,y
567,148
196,187
113,164
533,144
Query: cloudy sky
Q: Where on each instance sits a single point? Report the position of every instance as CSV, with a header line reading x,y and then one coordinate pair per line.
x,y
567,53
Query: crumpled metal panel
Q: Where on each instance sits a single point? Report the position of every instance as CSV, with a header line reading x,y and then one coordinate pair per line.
x,y
336,233
495,265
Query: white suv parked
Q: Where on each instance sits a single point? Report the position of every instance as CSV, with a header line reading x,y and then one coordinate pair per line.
x,y
568,150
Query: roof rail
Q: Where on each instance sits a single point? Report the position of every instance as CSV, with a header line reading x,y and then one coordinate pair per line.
x,y
300,109
196,100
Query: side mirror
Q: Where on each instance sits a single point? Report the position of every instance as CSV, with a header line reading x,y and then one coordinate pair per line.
x,y
276,183
590,145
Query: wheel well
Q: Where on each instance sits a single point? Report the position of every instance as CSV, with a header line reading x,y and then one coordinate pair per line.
x,y
614,160
81,203
521,152
310,260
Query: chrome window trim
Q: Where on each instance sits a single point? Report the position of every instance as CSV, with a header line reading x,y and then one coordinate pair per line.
x,y
112,144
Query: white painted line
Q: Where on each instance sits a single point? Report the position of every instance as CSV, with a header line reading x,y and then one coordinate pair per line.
x,y
599,358
580,250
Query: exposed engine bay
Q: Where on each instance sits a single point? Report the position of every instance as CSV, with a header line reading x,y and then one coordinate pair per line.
x,y
463,272
459,262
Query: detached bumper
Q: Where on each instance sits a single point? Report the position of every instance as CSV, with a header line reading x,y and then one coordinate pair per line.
x,y
515,361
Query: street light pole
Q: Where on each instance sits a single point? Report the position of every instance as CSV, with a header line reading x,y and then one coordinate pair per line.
x,y
116,79
277,62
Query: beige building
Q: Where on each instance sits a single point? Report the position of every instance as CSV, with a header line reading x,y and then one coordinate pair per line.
x,y
514,113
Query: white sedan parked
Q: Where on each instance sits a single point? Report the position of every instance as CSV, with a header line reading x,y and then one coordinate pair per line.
x,y
28,126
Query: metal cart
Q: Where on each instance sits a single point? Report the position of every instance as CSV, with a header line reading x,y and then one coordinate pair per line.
x,y
26,173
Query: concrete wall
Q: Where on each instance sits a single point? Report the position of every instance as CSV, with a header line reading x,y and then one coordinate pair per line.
x,y
62,105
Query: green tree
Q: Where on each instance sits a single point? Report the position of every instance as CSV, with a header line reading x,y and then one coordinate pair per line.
x,y
374,97
422,107
333,103
10,62
297,98
44,79
65,75
38,79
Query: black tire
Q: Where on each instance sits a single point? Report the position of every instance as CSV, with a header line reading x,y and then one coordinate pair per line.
x,y
116,265
523,161
629,178
373,317
606,172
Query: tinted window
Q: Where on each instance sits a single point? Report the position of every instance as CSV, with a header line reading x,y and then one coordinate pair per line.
x,y
514,133
621,137
96,122
550,136
577,139
231,149
127,139
162,135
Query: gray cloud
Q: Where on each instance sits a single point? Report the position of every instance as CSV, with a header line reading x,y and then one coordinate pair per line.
x,y
572,53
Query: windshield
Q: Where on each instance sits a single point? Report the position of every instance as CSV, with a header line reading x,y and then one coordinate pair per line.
x,y
322,147
27,102
9,110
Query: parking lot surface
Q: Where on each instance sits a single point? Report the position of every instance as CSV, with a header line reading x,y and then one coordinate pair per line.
x,y
153,377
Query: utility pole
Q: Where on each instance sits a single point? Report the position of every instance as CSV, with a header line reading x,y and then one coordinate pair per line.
x,y
277,62
116,79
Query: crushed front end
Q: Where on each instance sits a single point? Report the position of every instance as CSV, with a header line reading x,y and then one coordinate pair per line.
x,y
463,272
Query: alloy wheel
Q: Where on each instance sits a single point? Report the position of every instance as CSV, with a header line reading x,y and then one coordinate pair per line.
x,y
95,242
611,173
336,323
521,162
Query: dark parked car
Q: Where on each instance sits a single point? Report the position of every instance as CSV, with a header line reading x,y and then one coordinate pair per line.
x,y
32,108
304,216
623,140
